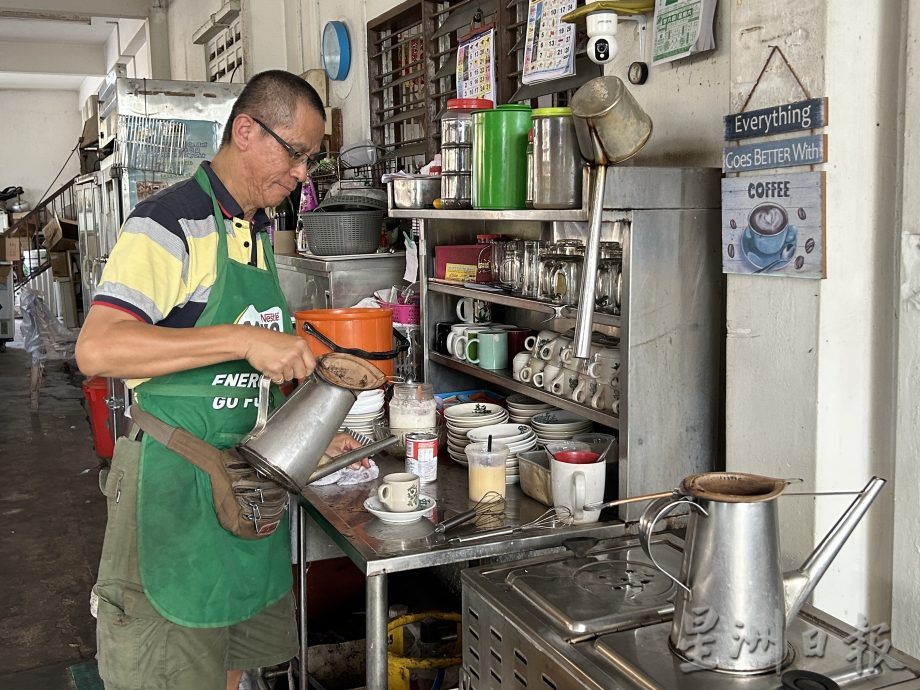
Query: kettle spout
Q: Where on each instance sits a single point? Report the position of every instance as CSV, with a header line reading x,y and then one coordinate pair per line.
x,y
798,584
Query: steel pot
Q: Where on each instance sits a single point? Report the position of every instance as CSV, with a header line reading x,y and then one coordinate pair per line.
x,y
609,123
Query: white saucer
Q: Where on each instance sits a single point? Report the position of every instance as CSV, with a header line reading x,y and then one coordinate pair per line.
x,y
425,505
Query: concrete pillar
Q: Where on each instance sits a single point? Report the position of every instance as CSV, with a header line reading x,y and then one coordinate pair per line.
x,y
158,37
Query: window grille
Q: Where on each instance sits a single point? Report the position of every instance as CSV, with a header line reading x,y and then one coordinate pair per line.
x,y
412,67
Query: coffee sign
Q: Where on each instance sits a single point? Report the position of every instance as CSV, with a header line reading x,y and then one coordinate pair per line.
x,y
774,224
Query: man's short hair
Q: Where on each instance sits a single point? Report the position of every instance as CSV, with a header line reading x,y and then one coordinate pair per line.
x,y
273,97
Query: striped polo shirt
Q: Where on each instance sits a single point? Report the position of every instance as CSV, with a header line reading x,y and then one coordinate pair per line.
x,y
164,263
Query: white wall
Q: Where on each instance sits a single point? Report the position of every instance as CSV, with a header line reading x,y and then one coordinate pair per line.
x,y
46,125
184,17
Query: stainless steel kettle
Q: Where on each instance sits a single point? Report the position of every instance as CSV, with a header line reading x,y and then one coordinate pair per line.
x,y
289,445
734,601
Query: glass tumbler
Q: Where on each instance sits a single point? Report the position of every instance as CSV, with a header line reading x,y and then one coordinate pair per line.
x,y
487,471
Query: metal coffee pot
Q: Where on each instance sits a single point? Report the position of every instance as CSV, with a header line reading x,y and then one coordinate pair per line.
x,y
733,599
289,445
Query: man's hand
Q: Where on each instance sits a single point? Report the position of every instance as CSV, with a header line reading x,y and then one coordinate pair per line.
x,y
342,443
279,356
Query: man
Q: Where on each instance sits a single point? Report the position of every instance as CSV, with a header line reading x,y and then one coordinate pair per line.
x,y
183,603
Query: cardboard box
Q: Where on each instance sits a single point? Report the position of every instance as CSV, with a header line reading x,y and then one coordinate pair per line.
x,y
60,265
11,248
60,234
457,262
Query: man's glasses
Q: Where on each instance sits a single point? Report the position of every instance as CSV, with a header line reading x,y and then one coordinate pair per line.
x,y
297,157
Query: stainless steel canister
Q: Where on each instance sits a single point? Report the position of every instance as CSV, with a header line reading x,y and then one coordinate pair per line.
x,y
557,161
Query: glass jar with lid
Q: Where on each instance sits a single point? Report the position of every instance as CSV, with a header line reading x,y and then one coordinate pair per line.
x,y
557,161
413,409
456,150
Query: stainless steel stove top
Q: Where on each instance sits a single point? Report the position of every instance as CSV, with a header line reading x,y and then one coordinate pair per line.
x,y
598,616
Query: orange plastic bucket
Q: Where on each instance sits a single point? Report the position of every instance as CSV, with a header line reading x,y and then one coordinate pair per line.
x,y
370,330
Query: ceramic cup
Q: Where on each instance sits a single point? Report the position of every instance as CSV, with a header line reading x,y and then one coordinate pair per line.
x,y
580,392
553,350
535,343
517,338
768,225
466,342
553,379
604,364
441,332
600,396
399,492
533,367
471,310
576,484
518,363
492,349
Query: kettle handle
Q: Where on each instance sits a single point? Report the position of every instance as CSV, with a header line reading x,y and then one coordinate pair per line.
x,y
655,512
265,384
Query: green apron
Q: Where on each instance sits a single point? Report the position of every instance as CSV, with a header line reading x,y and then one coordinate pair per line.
x,y
194,572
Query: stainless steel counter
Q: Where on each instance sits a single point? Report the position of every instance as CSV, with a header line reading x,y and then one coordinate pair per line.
x,y
378,548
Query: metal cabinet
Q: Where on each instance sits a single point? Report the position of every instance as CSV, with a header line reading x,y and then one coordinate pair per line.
x,y
324,282
670,327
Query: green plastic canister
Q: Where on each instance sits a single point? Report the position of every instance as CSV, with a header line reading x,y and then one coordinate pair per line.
x,y
500,157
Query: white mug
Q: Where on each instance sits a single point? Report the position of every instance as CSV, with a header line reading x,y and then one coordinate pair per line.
x,y
604,364
580,392
518,363
472,310
552,351
600,398
575,486
399,492
459,350
553,379
530,371
535,343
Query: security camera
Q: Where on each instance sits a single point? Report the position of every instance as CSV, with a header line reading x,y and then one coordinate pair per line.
x,y
602,44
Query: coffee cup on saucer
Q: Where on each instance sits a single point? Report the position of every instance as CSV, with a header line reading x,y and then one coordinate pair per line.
x,y
399,492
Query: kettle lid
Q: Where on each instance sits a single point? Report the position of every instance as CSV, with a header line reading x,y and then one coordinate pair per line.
x,y
732,487
347,371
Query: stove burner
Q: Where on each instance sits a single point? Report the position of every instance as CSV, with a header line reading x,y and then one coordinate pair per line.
x,y
787,660
807,680
625,580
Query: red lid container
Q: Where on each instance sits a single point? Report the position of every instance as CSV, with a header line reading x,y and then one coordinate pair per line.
x,y
469,104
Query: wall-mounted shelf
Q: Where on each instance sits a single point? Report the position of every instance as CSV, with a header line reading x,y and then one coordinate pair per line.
x,y
503,378
505,299
575,214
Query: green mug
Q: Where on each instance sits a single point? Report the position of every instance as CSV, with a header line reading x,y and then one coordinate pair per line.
x,y
493,350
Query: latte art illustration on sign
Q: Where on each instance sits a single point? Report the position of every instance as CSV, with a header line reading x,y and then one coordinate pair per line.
x,y
774,224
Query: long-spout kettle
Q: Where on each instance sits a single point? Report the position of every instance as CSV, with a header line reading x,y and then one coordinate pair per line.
x,y
798,584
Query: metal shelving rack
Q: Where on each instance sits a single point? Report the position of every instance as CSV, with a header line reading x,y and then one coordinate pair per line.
x,y
669,326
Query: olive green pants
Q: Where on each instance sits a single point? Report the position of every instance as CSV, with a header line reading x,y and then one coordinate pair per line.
x,y
138,649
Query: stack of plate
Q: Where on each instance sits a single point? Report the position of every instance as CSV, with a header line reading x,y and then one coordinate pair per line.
x,y
522,408
559,425
463,418
365,413
519,438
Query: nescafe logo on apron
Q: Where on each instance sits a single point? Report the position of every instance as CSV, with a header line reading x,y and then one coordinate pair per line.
x,y
270,318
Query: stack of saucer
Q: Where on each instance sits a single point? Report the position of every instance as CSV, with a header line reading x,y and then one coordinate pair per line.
x,y
559,425
522,408
463,418
365,413
519,438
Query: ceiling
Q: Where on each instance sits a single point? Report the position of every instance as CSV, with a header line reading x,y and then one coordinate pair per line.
x,y
60,54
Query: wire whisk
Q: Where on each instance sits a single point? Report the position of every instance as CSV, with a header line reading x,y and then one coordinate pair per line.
x,y
548,519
